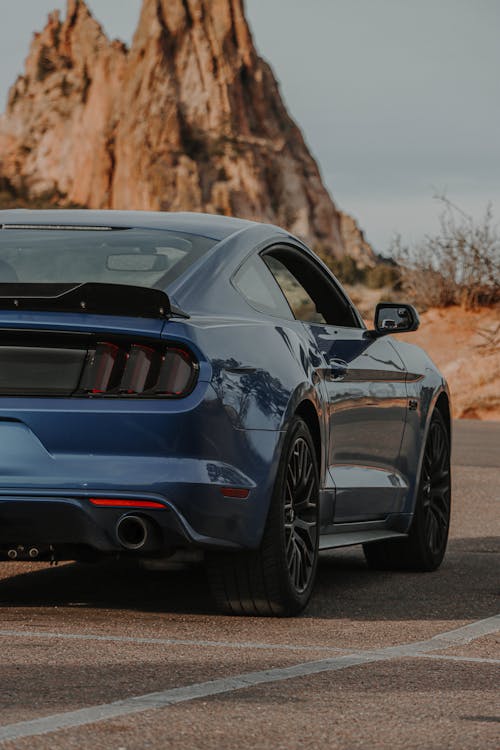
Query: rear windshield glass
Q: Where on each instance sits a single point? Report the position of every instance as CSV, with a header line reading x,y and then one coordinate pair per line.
x,y
142,257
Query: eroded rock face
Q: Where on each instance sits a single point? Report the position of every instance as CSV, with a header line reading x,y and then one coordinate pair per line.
x,y
190,118
56,135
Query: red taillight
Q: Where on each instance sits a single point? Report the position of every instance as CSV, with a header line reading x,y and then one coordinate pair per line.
x,y
100,368
176,373
138,370
237,492
115,502
141,367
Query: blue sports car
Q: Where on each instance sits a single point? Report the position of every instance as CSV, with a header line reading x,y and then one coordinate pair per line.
x,y
182,381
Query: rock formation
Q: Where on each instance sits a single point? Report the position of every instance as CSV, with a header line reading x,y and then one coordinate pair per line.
x,y
188,118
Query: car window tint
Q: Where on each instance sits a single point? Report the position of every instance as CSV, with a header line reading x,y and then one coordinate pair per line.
x,y
142,257
303,307
258,286
311,294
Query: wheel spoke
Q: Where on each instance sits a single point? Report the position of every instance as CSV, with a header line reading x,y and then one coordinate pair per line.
x,y
306,530
441,513
432,530
305,559
440,527
305,504
440,494
305,552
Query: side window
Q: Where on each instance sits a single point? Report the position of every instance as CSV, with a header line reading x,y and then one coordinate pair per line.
x,y
257,285
311,294
303,307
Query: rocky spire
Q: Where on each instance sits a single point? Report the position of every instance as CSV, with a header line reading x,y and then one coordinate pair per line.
x,y
190,118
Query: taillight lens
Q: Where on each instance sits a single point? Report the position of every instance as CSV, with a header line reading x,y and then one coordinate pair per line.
x,y
138,370
175,374
102,368
141,369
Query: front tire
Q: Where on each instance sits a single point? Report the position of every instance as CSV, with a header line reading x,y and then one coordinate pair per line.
x,y
278,578
425,546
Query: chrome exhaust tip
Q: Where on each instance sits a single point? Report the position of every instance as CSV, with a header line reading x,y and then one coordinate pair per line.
x,y
133,532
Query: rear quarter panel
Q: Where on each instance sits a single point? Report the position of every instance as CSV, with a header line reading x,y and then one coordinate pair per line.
x,y
260,371
260,368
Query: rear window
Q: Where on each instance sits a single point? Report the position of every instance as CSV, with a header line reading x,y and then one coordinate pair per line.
x,y
142,257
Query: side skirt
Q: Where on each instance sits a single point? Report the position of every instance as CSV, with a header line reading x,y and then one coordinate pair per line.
x,y
357,533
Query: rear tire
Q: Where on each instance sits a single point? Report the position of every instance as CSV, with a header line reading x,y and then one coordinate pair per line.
x,y
277,579
425,546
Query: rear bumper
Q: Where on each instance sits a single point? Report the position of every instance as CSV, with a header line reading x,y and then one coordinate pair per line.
x,y
47,501
65,524
56,454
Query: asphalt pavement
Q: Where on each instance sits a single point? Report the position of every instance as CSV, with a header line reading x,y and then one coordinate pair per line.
x,y
98,656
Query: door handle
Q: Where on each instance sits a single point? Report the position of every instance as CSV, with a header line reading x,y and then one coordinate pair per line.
x,y
337,369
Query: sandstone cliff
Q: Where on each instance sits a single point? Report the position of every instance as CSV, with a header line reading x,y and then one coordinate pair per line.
x,y
188,118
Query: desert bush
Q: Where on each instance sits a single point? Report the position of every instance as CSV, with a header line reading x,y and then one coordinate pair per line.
x,y
460,265
345,269
383,275
490,339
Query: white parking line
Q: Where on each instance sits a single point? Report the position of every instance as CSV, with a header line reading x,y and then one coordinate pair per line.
x,y
162,699
169,641
451,657
51,635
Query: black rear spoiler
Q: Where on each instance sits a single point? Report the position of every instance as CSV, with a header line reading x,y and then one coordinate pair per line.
x,y
90,297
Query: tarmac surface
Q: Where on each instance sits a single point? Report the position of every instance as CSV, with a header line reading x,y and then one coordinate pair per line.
x,y
98,656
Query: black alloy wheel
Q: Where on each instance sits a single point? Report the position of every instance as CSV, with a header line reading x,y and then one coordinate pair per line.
x,y
425,545
300,510
435,490
278,578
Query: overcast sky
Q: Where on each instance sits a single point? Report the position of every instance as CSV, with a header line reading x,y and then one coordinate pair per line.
x,y
397,99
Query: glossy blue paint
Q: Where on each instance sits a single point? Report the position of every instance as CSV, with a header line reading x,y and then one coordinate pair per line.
x,y
255,372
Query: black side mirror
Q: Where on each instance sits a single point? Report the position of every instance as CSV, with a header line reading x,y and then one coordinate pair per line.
x,y
392,317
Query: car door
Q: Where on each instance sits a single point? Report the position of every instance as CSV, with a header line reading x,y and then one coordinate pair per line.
x,y
363,382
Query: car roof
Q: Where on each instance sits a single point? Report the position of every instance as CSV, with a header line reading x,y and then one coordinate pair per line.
x,y
207,225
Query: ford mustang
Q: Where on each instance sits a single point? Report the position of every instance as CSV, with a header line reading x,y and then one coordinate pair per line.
x,y
181,381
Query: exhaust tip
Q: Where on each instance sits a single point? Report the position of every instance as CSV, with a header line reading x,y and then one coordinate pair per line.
x,y
132,532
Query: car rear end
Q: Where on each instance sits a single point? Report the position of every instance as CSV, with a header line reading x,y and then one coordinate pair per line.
x,y
112,439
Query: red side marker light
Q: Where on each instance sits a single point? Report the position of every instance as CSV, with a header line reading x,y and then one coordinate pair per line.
x,y
238,492
115,502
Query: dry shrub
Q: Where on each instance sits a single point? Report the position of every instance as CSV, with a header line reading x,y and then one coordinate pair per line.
x,y
460,265
384,274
